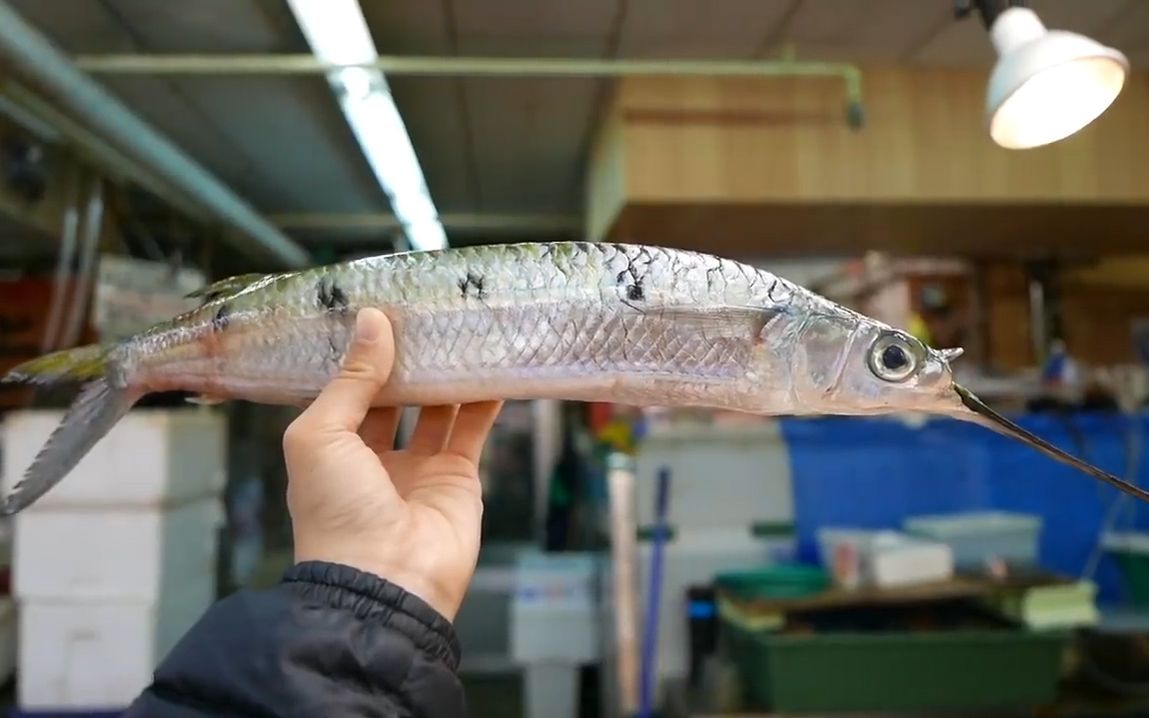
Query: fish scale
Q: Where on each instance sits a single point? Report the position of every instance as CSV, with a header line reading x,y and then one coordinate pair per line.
x,y
580,321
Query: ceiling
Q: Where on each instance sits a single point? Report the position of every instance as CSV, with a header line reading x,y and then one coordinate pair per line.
x,y
486,145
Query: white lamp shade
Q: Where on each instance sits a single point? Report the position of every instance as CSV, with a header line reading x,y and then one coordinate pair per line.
x,y
1047,85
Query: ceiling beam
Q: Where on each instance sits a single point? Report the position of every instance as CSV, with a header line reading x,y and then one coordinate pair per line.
x,y
462,222
33,113
45,67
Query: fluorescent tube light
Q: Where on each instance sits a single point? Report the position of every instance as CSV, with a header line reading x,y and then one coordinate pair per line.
x,y
338,34
335,30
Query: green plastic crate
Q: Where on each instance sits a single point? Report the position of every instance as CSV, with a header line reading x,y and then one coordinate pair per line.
x,y
780,581
1131,551
959,670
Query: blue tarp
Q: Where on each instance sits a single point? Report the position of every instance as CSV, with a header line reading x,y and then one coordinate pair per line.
x,y
874,472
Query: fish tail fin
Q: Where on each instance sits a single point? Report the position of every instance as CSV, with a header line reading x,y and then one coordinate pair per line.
x,y
103,401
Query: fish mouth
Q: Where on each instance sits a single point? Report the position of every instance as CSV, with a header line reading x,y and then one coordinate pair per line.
x,y
990,419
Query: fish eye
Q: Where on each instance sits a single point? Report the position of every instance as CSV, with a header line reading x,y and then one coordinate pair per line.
x,y
892,358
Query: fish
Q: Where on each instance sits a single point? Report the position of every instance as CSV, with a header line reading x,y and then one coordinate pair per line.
x,y
577,321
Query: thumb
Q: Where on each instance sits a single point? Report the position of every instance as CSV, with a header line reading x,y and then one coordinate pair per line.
x,y
345,401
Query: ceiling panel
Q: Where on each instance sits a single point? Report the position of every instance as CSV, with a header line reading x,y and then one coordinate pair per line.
x,y
440,133
279,141
885,30
89,26
408,28
1088,18
507,144
158,103
830,22
531,136
209,25
693,28
433,108
1128,31
966,42
77,27
504,144
541,28
298,151
958,44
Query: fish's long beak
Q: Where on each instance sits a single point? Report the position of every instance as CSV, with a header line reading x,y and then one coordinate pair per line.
x,y
989,418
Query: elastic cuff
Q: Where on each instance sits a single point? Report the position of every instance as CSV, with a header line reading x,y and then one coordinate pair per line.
x,y
374,597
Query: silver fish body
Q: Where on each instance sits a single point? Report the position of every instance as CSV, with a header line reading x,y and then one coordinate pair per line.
x,y
579,321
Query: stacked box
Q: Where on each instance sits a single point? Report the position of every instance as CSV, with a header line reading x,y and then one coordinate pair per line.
x,y
118,561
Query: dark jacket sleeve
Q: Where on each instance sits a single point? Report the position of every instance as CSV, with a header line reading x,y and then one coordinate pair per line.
x,y
327,641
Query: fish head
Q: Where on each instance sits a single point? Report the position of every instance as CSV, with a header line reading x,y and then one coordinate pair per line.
x,y
854,365
859,366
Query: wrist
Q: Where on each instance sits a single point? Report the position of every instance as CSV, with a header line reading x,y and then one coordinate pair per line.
x,y
409,580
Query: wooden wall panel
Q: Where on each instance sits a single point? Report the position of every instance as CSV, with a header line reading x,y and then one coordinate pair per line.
x,y
1096,320
1010,340
769,166
1098,323
786,140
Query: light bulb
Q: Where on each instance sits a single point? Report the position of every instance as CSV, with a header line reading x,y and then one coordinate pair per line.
x,y
1047,85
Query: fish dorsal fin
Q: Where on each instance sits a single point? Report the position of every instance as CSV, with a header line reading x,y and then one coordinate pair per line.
x,y
229,285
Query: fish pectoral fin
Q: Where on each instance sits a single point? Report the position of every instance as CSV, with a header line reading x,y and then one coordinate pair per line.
x,y
206,400
727,321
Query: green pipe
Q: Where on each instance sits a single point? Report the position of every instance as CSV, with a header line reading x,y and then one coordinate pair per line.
x,y
305,64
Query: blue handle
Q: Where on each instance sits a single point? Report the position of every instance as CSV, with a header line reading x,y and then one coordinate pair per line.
x,y
654,595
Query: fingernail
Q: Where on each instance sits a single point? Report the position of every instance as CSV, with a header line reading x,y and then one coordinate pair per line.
x,y
366,331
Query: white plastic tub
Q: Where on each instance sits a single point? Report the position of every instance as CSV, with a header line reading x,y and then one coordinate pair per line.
x,y
883,558
977,537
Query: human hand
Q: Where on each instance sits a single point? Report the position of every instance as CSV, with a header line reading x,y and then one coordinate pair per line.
x,y
413,516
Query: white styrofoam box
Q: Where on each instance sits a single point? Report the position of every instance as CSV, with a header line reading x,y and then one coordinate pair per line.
x,y
886,558
152,456
99,655
115,554
979,536
555,609
719,475
1134,542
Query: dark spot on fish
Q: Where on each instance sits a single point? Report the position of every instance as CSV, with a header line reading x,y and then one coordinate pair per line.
x,y
331,296
472,285
713,274
635,292
621,278
222,318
